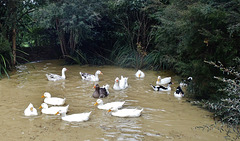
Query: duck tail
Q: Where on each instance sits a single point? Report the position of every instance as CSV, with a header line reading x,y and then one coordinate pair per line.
x,y
152,86
47,76
67,108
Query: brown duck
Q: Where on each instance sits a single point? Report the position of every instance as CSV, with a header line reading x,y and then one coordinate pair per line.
x,y
99,92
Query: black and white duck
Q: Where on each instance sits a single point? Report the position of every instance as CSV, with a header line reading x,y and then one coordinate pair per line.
x,y
90,77
56,77
162,88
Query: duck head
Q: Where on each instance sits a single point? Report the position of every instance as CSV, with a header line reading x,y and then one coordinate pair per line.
x,y
64,69
46,95
117,80
96,86
98,72
112,109
98,102
44,106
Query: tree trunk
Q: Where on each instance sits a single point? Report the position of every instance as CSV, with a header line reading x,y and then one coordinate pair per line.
x,y
13,12
61,39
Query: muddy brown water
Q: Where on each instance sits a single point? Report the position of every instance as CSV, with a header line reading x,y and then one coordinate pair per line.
x,y
164,117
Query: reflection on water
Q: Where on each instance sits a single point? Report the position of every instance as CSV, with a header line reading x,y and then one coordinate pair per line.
x,y
164,117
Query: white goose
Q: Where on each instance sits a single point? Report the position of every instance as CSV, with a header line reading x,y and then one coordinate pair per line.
x,y
53,100
178,93
163,81
55,77
125,112
107,106
53,109
139,74
74,117
90,77
162,88
30,111
123,84
116,84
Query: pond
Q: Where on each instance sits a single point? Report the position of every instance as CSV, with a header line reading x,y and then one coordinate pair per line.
x,y
164,117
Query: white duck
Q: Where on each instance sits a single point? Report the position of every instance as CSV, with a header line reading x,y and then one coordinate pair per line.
x,y
163,81
53,100
107,106
74,117
178,93
53,109
125,112
90,77
162,88
123,84
139,74
55,77
30,111
116,84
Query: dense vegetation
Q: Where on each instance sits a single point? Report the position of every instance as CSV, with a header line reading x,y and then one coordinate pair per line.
x,y
177,35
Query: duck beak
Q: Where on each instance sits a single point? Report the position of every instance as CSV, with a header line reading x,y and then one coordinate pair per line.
x,y
95,104
31,109
57,113
116,80
94,86
109,110
139,75
40,107
43,96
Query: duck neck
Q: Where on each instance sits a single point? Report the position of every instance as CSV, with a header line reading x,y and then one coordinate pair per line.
x,y
100,104
116,84
63,114
63,74
96,75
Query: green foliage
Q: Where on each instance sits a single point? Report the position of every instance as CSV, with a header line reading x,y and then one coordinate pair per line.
x,y
15,25
78,57
73,22
228,109
156,60
189,33
124,56
5,56
133,31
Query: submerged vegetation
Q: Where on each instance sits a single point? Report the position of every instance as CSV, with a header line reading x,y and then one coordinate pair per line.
x,y
176,35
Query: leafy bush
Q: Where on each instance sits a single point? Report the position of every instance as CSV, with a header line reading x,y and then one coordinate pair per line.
x,y
228,109
5,56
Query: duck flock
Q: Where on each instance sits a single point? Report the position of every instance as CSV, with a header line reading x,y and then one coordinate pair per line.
x,y
115,108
